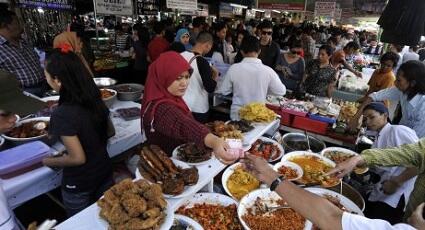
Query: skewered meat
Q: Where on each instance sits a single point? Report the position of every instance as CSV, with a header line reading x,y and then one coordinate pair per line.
x,y
152,157
149,169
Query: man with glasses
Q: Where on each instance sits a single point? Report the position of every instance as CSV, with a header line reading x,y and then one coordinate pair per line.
x,y
19,58
270,50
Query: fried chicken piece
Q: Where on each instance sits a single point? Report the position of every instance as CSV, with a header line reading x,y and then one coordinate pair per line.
x,y
103,204
152,213
173,186
143,185
166,161
190,175
111,198
115,215
151,157
137,223
133,204
124,186
154,195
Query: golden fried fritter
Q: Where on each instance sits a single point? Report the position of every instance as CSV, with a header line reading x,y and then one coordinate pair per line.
x,y
152,213
124,186
111,198
137,223
116,215
133,204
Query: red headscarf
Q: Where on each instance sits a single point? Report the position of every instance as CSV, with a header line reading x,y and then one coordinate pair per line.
x,y
162,73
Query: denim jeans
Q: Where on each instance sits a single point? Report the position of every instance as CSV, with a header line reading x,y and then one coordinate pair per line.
x,y
74,202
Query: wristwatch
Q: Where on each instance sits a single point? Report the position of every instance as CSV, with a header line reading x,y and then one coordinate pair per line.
x,y
276,183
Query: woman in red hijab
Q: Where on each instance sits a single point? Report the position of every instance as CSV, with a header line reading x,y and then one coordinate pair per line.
x,y
166,119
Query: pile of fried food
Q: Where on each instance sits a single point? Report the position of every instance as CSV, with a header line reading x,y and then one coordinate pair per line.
x,y
106,93
339,157
259,218
315,170
242,125
213,216
219,128
265,149
288,172
133,205
29,129
104,64
157,167
241,183
348,110
257,112
191,153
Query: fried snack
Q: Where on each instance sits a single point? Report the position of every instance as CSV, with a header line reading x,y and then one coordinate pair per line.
x,y
219,128
141,206
124,186
256,112
133,204
157,167
191,153
27,130
106,93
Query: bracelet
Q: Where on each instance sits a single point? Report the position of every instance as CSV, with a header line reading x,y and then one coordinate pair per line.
x,y
276,183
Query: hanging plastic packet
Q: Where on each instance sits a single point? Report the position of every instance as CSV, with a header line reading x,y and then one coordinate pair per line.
x,y
236,148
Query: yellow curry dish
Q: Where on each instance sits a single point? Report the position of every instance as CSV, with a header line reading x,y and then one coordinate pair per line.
x,y
315,170
241,182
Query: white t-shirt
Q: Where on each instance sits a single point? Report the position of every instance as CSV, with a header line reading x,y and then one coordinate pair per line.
x,y
250,81
356,222
410,56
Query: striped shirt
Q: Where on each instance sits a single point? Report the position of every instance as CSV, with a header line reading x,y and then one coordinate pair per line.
x,y
411,155
22,61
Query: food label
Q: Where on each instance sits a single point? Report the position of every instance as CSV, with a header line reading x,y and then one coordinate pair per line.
x,y
236,148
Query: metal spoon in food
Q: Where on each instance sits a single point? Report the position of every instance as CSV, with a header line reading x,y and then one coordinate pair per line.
x,y
308,140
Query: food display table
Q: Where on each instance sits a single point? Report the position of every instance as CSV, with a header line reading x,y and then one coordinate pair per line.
x,y
41,180
89,217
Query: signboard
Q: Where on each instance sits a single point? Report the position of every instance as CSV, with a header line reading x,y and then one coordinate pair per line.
x,y
202,11
182,4
337,14
114,7
325,9
225,10
147,7
46,4
281,4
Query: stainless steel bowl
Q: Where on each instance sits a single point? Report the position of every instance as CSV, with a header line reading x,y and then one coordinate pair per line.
x,y
291,140
110,100
104,81
351,194
134,92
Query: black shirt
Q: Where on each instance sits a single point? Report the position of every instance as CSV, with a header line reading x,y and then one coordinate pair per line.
x,y
73,120
206,74
270,54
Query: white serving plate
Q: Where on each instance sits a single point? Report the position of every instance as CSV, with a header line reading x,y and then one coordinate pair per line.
x,y
166,225
187,189
225,177
188,221
350,152
29,138
175,152
290,155
208,198
266,139
291,165
1,141
248,201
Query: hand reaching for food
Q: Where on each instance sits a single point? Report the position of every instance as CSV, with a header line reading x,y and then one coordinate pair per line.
x,y
390,187
346,167
259,168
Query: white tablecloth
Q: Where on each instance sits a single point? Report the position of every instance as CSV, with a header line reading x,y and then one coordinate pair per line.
x,y
29,185
89,218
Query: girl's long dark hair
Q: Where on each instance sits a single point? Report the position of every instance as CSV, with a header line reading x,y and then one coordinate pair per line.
x,y
78,87
414,73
